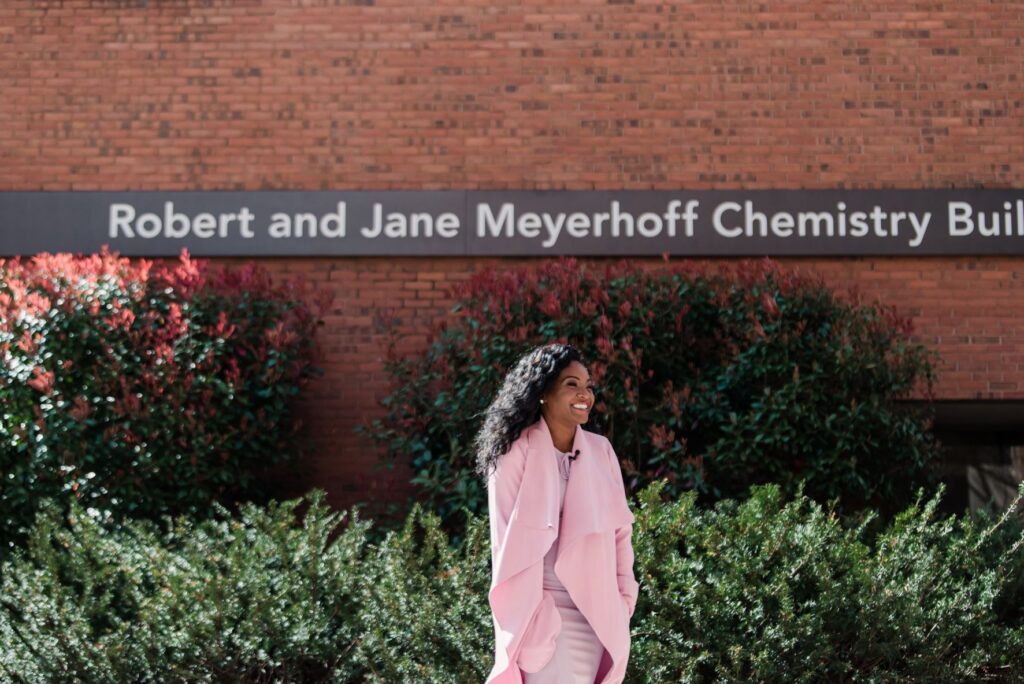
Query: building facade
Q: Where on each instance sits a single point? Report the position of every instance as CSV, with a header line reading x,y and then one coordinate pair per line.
x,y
256,95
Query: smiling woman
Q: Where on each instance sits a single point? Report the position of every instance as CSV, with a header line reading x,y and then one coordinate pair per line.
x,y
561,529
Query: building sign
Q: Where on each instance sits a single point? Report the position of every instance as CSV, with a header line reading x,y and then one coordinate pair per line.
x,y
516,223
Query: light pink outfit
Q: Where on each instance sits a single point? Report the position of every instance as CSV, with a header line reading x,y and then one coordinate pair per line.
x,y
578,651
593,558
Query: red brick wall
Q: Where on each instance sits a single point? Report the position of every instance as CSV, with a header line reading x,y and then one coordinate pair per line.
x,y
219,95
187,94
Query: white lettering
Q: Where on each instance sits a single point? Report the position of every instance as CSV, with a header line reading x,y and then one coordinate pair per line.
x,y
447,225
716,220
421,221
148,225
554,228
332,224
174,224
753,217
894,222
244,218
305,222
649,224
618,219
690,217
817,218
960,223
963,220
280,225
396,225
486,221
920,227
121,216
376,226
782,224
171,218
203,225
858,220
577,224
877,215
984,228
529,224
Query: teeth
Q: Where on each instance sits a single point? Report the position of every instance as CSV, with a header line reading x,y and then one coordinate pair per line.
x,y
579,406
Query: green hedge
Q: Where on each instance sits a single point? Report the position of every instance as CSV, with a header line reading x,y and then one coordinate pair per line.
x,y
711,380
760,590
771,591
145,390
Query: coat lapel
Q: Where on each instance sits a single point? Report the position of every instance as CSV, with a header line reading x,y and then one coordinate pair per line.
x,y
592,502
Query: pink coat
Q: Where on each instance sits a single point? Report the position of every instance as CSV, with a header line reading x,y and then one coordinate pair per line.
x,y
594,557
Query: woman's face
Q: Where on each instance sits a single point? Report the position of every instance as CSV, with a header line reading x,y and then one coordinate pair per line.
x,y
570,398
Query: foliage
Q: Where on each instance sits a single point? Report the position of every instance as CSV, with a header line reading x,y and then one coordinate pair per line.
x,y
711,380
760,590
218,600
144,390
424,614
773,591
262,597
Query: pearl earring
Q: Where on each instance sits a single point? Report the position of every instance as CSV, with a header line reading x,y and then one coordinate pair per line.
x,y
542,401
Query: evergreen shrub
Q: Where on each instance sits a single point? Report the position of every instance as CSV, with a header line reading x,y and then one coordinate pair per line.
x,y
252,598
767,589
144,390
711,379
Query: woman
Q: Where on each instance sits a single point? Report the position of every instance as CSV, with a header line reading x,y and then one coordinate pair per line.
x,y
562,585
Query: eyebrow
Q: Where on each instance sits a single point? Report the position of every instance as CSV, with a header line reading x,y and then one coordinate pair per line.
x,y
573,376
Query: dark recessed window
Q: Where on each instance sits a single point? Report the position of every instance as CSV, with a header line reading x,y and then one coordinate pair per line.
x,y
982,452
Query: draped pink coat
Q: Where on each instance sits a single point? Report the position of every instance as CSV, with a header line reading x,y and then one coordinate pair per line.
x,y
594,557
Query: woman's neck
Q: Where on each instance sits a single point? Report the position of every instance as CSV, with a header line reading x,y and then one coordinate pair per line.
x,y
561,435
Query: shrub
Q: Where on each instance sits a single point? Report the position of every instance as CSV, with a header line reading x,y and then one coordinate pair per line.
x,y
760,590
141,390
713,381
769,591
424,614
254,599
251,599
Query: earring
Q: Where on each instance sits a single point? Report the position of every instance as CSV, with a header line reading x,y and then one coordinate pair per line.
x,y
542,401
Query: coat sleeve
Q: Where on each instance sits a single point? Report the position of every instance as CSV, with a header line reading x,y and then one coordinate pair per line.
x,y
629,588
502,490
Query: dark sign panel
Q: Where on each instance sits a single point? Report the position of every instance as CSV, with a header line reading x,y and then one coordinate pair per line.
x,y
516,223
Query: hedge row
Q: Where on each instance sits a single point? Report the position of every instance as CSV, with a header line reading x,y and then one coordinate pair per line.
x,y
764,590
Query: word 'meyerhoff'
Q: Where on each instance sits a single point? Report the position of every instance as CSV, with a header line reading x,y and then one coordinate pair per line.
x,y
580,224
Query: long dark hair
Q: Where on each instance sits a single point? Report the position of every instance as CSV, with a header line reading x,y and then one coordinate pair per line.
x,y
517,404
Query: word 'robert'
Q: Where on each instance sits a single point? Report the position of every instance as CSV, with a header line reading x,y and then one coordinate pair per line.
x,y
173,224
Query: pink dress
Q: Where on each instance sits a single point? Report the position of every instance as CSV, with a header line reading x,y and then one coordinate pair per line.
x,y
578,651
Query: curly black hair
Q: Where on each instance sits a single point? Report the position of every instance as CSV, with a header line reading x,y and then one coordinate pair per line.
x,y
517,404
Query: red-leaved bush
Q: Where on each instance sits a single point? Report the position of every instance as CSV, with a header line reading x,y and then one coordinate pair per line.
x,y
145,390
711,379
